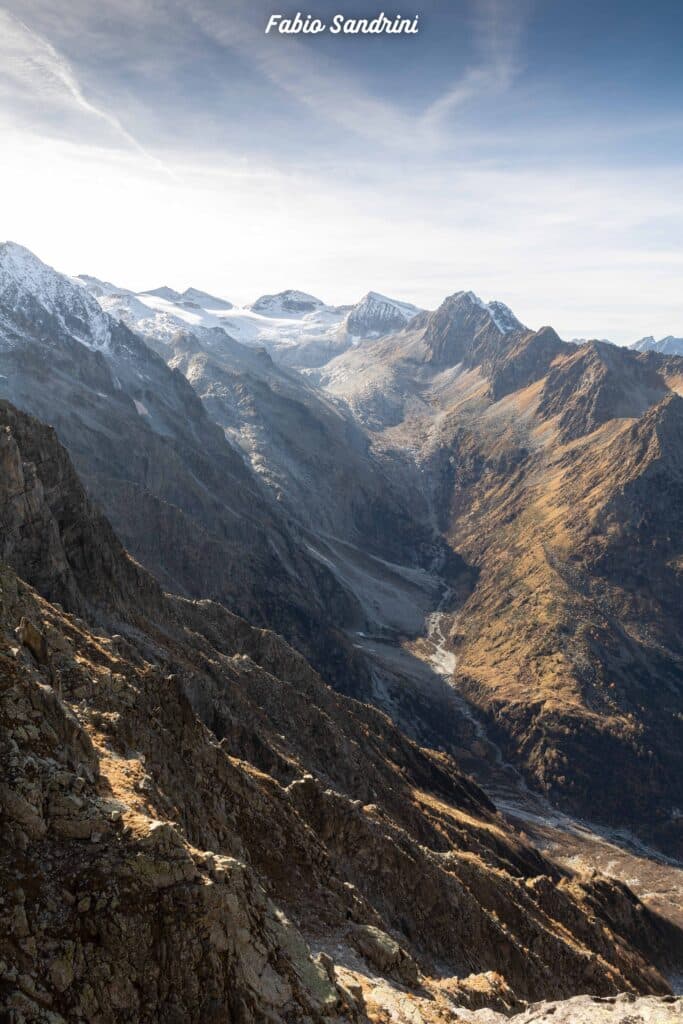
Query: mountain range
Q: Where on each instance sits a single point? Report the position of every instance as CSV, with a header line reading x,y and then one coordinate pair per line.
x,y
309,614
669,345
299,329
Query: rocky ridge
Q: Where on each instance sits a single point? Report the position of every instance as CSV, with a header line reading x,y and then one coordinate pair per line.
x,y
197,828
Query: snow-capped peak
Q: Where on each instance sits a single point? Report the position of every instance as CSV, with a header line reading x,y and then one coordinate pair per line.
x,y
644,343
25,281
169,294
99,288
669,346
377,314
286,304
503,317
204,300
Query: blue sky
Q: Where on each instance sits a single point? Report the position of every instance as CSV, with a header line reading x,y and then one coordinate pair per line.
x,y
528,150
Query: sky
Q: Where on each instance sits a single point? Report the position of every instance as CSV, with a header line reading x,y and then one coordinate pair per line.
x,y
529,150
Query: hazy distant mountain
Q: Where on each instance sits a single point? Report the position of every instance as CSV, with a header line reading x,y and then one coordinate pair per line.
x,y
99,288
204,300
297,329
169,294
286,304
667,346
587,341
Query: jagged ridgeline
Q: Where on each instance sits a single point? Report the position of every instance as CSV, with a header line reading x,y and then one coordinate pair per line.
x,y
196,539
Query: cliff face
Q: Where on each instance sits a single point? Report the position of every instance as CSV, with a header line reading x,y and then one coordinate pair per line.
x,y
197,828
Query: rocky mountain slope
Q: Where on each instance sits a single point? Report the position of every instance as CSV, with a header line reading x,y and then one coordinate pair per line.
x,y
463,422
555,471
304,446
197,828
491,429
182,497
265,496
586,1010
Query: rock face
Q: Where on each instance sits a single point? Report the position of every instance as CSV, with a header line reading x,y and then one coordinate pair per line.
x,y
306,448
385,954
196,828
110,913
84,568
598,383
466,330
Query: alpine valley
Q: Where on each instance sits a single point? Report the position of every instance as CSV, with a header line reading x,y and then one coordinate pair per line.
x,y
341,661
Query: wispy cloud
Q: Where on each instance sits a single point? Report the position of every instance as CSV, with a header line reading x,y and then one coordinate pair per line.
x,y
320,84
332,93
31,67
326,88
498,28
